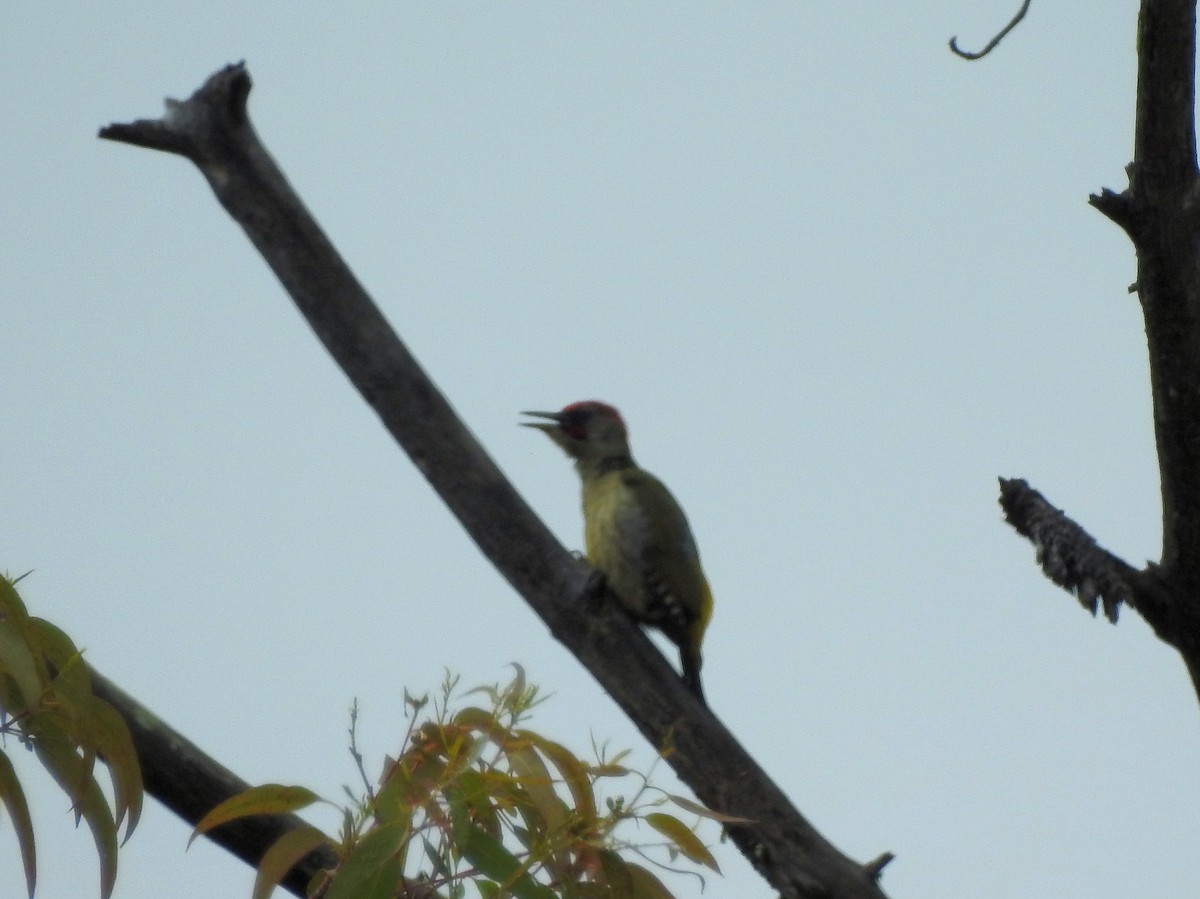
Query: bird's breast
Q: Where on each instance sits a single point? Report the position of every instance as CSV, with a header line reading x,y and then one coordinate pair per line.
x,y
615,535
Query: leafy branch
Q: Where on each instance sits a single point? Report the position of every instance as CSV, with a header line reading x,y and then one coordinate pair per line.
x,y
477,798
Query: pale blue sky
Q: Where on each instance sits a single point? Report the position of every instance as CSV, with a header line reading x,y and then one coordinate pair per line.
x,y
837,280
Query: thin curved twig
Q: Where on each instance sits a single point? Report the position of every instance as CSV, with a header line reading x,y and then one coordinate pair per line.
x,y
991,45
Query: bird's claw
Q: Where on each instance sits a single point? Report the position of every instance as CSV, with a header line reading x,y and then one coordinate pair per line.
x,y
595,588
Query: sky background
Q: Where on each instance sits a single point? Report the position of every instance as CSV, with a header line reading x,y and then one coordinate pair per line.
x,y
837,280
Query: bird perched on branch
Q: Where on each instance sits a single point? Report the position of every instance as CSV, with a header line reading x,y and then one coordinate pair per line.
x,y
635,533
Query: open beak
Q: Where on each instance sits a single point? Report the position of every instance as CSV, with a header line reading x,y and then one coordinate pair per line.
x,y
552,424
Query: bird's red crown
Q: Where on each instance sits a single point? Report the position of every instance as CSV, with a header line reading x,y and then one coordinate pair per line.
x,y
576,416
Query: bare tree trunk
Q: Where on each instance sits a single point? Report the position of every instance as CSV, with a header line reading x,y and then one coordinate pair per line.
x,y
1159,212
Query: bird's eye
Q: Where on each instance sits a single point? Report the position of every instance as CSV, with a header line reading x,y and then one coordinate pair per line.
x,y
574,424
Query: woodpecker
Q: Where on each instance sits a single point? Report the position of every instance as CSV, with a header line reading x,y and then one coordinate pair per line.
x,y
635,533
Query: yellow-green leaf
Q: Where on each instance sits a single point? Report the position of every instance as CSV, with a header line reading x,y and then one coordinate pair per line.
x,y
13,798
100,821
534,777
17,661
465,753
268,799
59,650
116,745
683,838
11,606
573,771
99,728
517,687
73,774
696,808
282,857
476,718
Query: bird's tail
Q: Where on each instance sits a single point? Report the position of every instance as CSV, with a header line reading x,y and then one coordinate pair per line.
x,y
686,634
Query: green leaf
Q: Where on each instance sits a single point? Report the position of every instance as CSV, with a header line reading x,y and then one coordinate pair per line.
x,y
14,800
372,869
383,883
491,857
410,782
617,876
683,838
440,868
646,885
268,799
282,857
468,805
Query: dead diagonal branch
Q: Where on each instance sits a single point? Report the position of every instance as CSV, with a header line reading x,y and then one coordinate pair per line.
x,y
212,129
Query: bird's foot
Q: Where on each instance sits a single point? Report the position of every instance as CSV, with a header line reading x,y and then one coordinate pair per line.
x,y
595,588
